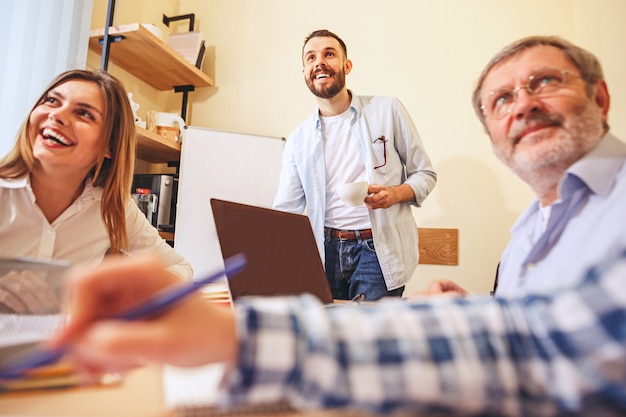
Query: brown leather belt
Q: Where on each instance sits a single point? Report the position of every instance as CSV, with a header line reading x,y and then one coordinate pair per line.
x,y
350,234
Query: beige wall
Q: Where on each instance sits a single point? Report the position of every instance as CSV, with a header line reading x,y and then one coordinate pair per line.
x,y
427,53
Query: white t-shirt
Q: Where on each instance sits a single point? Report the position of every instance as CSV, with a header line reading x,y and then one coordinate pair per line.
x,y
343,165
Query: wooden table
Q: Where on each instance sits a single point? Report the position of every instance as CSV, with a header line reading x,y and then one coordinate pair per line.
x,y
139,395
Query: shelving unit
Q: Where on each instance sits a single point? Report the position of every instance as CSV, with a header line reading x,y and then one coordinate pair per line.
x,y
147,57
154,148
139,52
166,235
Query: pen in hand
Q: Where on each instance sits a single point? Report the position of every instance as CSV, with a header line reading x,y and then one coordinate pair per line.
x,y
159,303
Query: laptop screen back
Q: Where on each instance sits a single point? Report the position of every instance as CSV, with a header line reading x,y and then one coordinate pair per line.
x,y
280,248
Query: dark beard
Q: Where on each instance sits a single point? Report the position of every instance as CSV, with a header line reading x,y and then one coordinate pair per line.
x,y
330,91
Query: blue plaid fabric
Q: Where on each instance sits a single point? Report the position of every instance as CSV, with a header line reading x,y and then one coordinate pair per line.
x,y
562,354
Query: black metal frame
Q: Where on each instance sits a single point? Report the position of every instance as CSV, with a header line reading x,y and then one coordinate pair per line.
x,y
106,48
185,89
106,41
191,17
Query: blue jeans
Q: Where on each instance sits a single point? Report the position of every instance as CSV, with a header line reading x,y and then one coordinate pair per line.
x,y
352,268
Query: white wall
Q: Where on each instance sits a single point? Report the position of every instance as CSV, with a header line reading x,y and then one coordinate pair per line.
x,y
38,40
427,53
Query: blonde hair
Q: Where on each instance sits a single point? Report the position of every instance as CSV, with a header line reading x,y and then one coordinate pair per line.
x,y
114,174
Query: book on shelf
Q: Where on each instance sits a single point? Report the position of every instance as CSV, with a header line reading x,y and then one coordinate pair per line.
x,y
190,45
201,55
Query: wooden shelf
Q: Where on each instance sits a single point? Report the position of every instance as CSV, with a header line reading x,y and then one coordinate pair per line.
x,y
154,148
166,235
149,58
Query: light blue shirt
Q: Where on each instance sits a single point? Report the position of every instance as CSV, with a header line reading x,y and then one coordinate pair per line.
x,y
588,217
303,178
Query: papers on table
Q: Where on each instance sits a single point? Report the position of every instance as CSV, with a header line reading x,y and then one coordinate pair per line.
x,y
17,329
217,292
187,387
21,335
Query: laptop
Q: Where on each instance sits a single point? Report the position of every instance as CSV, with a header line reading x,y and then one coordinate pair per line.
x,y
280,248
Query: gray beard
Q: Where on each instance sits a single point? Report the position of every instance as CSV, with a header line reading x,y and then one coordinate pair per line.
x,y
577,138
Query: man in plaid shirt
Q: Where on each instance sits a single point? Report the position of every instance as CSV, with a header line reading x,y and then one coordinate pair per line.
x,y
554,354
535,356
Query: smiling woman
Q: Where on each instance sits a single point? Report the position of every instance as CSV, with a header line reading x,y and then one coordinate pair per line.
x,y
65,130
65,185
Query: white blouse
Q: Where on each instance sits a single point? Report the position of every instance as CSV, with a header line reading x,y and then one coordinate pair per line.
x,y
78,235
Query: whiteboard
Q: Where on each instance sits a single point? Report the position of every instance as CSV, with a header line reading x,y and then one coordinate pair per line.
x,y
226,165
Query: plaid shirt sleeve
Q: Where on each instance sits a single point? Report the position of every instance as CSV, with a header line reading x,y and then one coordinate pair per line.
x,y
540,355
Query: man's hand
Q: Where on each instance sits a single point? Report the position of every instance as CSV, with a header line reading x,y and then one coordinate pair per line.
x,y
381,196
440,287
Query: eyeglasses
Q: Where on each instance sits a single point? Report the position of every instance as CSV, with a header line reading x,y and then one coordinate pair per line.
x,y
384,141
542,83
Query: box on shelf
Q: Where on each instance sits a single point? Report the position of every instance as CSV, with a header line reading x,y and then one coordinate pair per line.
x,y
169,132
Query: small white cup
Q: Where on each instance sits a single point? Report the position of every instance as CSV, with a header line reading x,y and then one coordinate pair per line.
x,y
353,194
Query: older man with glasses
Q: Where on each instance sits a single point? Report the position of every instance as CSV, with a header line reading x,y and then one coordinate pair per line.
x,y
544,103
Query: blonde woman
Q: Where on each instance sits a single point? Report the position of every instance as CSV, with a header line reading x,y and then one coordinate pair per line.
x,y
65,185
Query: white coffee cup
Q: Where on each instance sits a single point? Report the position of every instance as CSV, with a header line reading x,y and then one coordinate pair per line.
x,y
353,193
169,120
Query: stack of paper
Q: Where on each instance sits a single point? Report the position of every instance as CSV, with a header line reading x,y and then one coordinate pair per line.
x,y
190,45
193,392
217,292
20,335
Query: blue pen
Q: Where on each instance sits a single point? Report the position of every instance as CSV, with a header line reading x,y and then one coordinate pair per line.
x,y
157,304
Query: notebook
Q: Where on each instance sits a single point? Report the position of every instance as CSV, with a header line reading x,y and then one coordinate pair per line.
x,y
280,248
194,392
31,299
31,303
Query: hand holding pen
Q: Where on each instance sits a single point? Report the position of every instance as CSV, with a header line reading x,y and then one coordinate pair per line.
x,y
106,332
